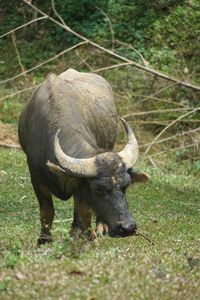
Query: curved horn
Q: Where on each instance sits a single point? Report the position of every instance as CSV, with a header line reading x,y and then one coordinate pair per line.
x,y
129,154
82,167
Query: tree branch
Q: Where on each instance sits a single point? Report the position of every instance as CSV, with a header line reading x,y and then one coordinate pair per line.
x,y
171,150
24,25
43,63
149,70
158,111
111,28
135,50
172,137
17,53
168,126
17,93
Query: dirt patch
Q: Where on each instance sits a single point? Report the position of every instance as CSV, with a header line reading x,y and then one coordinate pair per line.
x,y
8,135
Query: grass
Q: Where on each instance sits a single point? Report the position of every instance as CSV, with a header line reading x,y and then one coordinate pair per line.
x,y
167,209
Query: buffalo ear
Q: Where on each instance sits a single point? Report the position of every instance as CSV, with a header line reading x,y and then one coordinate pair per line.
x,y
137,176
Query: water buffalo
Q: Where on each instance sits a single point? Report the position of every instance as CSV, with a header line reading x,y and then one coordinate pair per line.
x,y
68,131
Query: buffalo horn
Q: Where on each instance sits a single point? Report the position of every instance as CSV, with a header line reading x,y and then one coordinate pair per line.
x,y
129,154
84,167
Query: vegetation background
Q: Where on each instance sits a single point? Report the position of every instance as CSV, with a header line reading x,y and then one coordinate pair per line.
x,y
161,35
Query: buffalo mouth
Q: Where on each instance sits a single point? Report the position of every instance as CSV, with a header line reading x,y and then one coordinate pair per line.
x,y
123,231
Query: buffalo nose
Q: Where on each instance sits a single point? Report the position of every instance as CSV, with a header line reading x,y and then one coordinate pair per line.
x,y
127,229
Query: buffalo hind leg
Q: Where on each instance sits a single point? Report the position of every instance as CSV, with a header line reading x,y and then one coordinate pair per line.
x,y
46,213
101,228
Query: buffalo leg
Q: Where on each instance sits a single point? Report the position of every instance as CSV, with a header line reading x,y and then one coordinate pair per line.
x,y
46,212
82,218
77,224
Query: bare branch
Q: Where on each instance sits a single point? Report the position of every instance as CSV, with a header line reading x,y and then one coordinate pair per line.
x,y
158,111
152,162
169,101
149,70
24,25
168,126
111,28
172,137
83,61
17,93
152,97
43,63
112,67
172,149
164,122
145,98
135,50
17,53
56,13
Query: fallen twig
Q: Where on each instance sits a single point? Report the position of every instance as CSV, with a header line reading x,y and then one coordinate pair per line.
x,y
145,237
152,162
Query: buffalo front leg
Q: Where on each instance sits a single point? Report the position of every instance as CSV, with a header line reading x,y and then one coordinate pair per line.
x,y
77,224
82,219
46,213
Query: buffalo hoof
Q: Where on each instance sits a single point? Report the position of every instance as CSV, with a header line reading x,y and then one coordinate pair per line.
x,y
44,240
75,233
101,229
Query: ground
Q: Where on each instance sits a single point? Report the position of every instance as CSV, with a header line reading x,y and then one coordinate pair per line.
x,y
167,210
8,134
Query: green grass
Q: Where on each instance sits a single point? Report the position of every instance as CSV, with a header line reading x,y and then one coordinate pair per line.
x,y
167,210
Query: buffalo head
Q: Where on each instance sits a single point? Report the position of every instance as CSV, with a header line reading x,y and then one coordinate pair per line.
x,y
105,180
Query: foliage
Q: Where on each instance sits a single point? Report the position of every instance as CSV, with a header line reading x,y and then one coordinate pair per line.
x,y
150,26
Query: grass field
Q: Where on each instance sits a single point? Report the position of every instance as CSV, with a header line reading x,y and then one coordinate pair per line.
x,y
167,210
